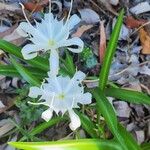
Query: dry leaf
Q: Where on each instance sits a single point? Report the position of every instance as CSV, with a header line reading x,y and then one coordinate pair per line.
x,y
81,30
89,16
12,36
134,23
108,6
8,7
140,8
1,105
8,31
114,2
6,127
122,109
145,41
34,7
102,46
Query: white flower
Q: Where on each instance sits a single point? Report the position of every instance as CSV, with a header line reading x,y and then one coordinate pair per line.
x,y
50,34
62,94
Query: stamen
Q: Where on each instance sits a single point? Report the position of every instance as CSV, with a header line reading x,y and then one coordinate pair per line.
x,y
23,8
52,100
50,6
72,102
69,11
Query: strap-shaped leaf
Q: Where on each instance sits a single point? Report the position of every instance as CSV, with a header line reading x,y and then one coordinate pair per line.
x,y
128,95
68,67
38,62
27,76
87,125
105,108
84,144
9,70
145,146
43,126
110,51
128,139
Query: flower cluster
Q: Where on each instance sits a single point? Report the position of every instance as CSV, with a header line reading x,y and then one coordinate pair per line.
x,y
59,93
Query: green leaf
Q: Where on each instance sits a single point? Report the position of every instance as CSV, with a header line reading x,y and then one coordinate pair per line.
x,y
69,67
128,139
128,95
9,70
87,125
88,144
105,108
145,146
110,51
38,62
27,76
43,126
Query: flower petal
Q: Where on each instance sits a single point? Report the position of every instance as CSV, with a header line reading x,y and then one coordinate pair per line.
x,y
73,42
21,32
28,28
77,78
29,51
54,62
75,120
34,92
84,98
47,114
74,20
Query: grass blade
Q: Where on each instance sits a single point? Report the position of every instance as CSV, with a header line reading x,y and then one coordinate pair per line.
x,y
43,126
27,76
128,95
88,144
110,51
38,62
87,125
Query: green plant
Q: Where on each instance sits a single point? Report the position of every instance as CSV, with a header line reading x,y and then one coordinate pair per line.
x,y
122,140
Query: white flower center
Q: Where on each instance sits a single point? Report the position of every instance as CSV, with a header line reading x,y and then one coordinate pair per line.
x,y
61,96
51,42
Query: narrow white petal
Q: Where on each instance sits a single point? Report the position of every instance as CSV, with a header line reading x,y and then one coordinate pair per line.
x,y
47,114
84,98
75,120
74,20
29,51
34,92
21,32
77,78
26,27
73,42
54,62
